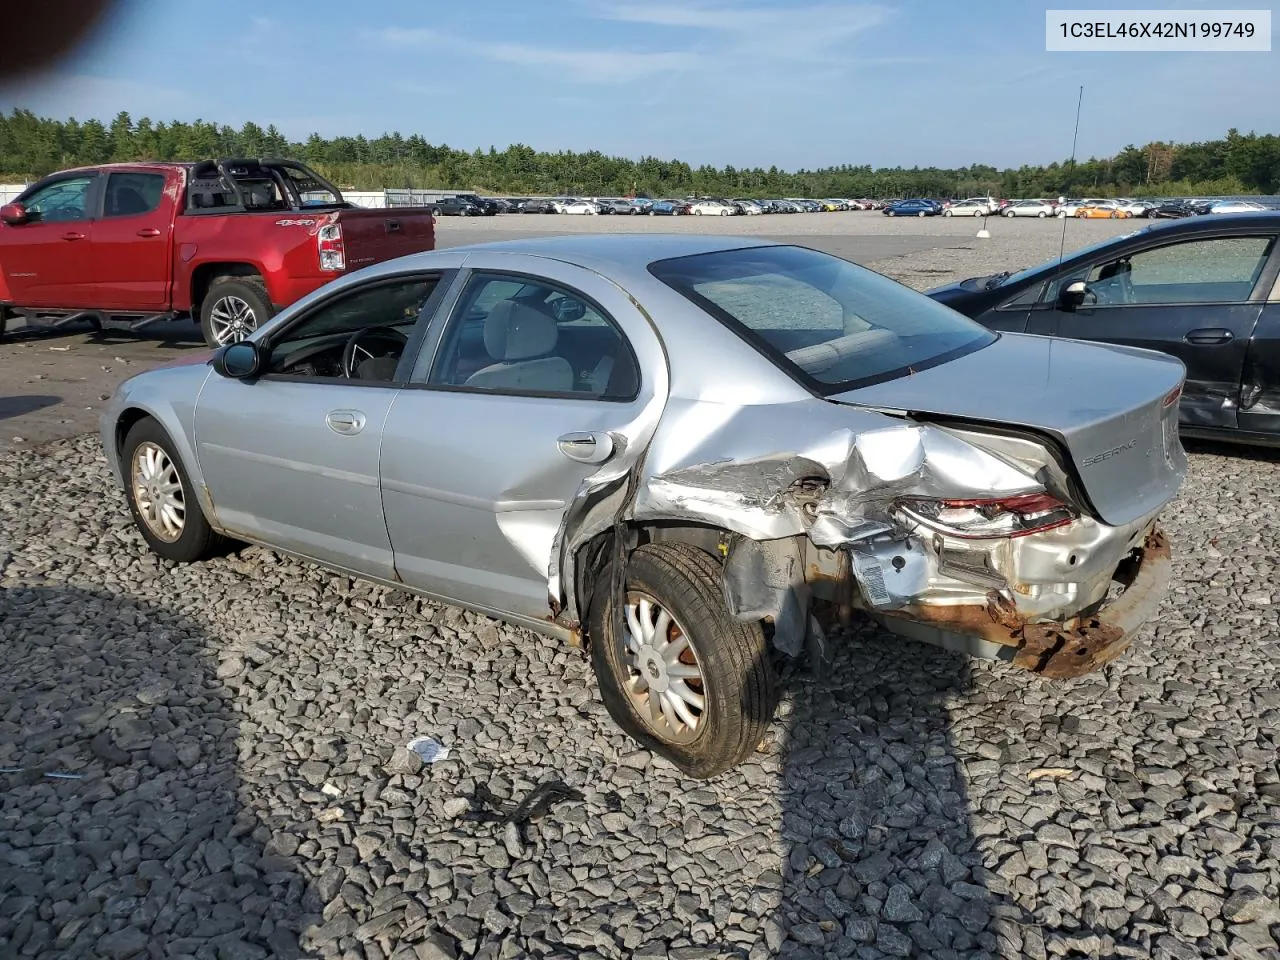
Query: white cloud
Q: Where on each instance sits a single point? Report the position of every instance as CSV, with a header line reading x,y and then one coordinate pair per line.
x,y
598,66
820,23
83,96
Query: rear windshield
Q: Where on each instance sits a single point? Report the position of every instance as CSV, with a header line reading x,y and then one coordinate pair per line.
x,y
830,323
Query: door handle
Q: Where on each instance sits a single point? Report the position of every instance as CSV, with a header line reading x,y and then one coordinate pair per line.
x,y
1209,335
346,422
594,447
148,232
73,236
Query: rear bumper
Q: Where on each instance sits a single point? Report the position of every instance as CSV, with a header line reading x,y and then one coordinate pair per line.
x,y
1054,649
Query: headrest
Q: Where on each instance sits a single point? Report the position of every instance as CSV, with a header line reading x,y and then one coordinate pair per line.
x,y
517,331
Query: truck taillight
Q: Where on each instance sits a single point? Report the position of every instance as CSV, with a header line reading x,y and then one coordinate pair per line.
x,y
333,256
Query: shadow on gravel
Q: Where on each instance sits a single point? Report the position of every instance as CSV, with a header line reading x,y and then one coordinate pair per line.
x,y
880,858
17,406
146,848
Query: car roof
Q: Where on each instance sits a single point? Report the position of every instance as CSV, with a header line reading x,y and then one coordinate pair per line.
x,y
617,250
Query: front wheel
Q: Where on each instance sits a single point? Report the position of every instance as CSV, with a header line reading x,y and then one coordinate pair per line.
x,y
920,214
947,213
685,678
161,496
233,309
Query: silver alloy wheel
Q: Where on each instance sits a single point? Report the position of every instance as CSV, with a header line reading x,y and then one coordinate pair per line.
x,y
158,493
664,678
232,320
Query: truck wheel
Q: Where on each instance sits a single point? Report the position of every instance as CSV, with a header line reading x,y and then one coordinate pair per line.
x,y
233,308
686,679
161,496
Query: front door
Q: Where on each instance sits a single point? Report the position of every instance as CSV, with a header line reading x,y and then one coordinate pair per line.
x,y
531,388
131,241
291,458
1193,299
46,261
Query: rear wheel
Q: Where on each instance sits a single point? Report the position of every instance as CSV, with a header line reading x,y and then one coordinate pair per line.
x,y
685,679
920,214
1041,214
891,213
234,308
161,496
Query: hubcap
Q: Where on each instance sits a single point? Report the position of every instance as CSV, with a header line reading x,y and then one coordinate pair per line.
x,y
157,491
664,678
232,320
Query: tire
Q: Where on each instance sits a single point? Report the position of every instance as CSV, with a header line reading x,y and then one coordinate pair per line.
x,y
1112,215
225,295
947,213
1010,214
736,677
697,213
1041,214
196,539
652,214
920,214
891,213
5,314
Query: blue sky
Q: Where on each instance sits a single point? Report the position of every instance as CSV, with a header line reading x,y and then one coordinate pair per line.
x,y
743,82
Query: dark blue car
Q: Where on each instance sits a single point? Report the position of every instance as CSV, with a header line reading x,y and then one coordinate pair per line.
x,y
912,208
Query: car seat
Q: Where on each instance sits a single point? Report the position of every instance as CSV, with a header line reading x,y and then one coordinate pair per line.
x,y
521,338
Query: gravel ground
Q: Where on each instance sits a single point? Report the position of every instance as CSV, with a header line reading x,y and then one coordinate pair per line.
x,y
236,731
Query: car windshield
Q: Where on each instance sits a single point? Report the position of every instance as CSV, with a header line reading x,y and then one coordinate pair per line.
x,y
830,323
1015,278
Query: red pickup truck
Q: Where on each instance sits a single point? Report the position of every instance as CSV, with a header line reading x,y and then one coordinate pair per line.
x,y
229,242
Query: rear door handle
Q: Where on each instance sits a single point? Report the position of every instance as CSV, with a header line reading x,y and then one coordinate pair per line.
x,y
148,232
346,422
1209,335
594,447
73,236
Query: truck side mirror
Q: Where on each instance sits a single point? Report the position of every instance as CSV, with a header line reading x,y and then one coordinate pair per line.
x,y
14,214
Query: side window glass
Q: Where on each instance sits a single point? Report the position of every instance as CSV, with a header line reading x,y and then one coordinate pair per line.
x,y
526,337
61,201
1025,300
132,194
1214,270
359,335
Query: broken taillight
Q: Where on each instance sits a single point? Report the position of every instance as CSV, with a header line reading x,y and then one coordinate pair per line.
x,y
978,519
1172,396
333,256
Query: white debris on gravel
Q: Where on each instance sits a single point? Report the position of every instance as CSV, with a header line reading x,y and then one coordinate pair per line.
x,y
240,799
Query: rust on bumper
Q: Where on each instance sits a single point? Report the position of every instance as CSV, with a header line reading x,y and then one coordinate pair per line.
x,y
1071,648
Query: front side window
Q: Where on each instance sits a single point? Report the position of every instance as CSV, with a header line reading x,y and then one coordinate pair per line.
x,y
830,323
1213,270
524,336
60,202
131,194
357,335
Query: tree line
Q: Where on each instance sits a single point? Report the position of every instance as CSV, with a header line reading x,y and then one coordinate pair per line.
x,y
32,146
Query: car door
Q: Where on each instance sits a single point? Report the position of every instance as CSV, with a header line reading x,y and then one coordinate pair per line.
x,y
46,260
1260,383
290,458
131,260
1197,299
531,387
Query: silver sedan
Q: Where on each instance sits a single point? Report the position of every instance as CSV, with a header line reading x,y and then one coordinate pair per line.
x,y
687,453
1030,208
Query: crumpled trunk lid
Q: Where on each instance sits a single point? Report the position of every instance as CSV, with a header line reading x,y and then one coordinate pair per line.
x,y
1107,406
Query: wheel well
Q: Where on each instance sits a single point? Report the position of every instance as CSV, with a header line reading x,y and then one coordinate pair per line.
x,y
204,275
128,419
593,555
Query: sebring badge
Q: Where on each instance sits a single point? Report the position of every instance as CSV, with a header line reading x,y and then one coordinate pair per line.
x,y
1108,454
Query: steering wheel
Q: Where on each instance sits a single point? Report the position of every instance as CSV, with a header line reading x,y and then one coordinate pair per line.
x,y
389,336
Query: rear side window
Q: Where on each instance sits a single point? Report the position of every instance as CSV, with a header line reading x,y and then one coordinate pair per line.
x,y
830,323
131,194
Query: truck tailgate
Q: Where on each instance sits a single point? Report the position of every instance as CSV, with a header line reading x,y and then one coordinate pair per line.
x,y
372,235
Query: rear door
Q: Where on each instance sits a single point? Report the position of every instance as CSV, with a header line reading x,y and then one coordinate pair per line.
x,y
373,236
1197,299
46,261
1260,384
489,445
131,252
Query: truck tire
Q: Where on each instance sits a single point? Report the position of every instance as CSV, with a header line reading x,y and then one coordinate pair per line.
x,y
683,657
233,308
5,314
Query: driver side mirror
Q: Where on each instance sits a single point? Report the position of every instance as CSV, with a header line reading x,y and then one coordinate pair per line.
x,y
1072,295
238,361
14,214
